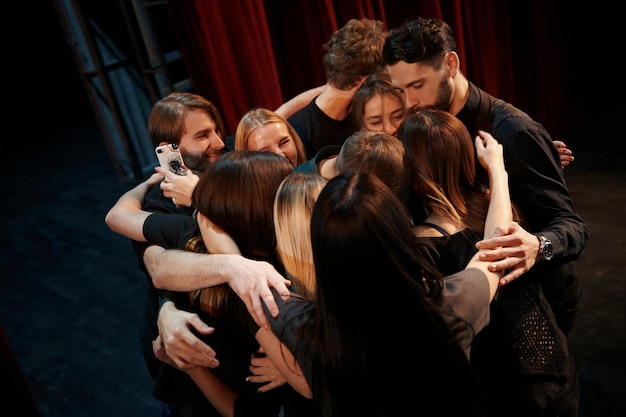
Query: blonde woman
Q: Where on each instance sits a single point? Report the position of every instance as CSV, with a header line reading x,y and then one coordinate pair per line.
x,y
261,129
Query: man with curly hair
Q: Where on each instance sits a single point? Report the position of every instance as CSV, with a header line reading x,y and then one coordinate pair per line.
x,y
352,53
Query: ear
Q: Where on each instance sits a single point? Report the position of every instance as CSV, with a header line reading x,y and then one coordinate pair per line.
x,y
453,63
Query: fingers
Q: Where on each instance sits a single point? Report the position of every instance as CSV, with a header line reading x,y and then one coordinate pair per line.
x,y
200,326
186,349
189,357
280,285
258,313
267,387
511,276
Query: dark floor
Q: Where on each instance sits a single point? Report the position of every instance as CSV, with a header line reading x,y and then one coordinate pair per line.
x,y
72,294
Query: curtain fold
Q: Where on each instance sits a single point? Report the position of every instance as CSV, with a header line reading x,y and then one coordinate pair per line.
x,y
246,53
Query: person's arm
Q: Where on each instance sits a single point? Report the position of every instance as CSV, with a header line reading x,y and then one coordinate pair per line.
x,y
500,213
263,371
178,270
178,187
126,216
217,240
541,195
220,395
214,237
284,361
298,102
184,348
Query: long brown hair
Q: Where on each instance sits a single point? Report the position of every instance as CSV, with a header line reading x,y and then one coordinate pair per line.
x,y
442,158
237,194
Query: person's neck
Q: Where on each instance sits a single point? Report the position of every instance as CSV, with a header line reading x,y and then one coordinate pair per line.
x,y
461,94
336,103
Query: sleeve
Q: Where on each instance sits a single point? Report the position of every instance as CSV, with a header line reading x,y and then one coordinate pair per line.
x,y
171,231
467,294
166,295
538,187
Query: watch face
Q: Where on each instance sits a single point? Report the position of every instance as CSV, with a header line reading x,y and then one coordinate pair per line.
x,y
547,251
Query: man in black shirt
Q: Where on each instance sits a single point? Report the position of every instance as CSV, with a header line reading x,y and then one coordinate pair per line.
x,y
422,60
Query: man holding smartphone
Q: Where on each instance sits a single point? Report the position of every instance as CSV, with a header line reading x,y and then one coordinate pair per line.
x,y
194,125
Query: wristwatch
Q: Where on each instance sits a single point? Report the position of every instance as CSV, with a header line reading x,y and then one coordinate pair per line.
x,y
545,249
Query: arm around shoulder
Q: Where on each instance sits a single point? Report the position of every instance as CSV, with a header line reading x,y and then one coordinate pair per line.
x,y
126,216
288,108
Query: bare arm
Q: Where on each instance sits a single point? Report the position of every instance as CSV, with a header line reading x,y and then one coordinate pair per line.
x,y
126,216
217,392
284,361
500,213
288,108
220,395
215,238
178,270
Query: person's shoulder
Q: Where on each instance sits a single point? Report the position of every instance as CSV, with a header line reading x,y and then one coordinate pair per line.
x,y
311,166
307,167
229,143
327,151
305,113
170,230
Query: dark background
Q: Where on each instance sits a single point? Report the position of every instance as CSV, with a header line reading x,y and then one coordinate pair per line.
x,y
71,291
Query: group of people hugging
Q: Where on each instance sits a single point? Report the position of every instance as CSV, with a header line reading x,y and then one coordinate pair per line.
x,y
396,242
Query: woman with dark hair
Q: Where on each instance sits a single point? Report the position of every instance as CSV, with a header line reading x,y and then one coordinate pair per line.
x,y
387,335
522,354
378,106
236,196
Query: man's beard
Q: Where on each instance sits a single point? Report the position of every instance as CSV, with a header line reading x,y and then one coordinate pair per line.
x,y
443,101
444,96
197,162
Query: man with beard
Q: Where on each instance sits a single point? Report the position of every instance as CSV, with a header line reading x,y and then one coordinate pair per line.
x,y
195,126
422,61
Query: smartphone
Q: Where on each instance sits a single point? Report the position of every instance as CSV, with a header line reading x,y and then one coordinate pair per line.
x,y
170,158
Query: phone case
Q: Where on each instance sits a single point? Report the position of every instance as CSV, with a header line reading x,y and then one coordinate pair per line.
x,y
169,158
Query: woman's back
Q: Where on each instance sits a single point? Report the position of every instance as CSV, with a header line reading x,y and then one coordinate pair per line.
x,y
381,338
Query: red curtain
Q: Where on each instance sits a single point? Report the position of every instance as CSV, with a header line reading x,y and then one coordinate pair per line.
x,y
246,53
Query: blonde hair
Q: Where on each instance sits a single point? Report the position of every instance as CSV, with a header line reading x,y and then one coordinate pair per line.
x,y
293,207
259,117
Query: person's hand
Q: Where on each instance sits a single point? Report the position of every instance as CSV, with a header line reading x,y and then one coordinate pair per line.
x,y
565,154
263,370
178,187
154,179
159,351
514,249
489,152
183,347
251,280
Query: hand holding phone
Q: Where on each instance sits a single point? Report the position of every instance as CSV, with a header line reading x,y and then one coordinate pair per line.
x,y
169,158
